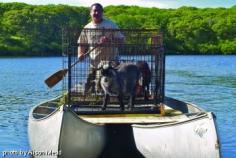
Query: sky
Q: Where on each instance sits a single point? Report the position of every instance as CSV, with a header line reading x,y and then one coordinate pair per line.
x,y
142,3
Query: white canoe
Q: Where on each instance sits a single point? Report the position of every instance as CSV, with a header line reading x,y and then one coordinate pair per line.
x,y
60,132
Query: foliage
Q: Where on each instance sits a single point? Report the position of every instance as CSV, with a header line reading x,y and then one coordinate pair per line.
x,y
35,30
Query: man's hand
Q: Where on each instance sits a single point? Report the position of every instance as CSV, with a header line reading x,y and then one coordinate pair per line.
x,y
81,57
104,39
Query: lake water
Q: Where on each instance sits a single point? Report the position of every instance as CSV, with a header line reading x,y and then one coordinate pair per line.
x,y
208,81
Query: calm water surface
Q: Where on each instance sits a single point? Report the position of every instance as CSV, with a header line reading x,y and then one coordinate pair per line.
x,y
208,81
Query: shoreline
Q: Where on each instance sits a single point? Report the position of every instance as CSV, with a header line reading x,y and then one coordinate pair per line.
x,y
171,54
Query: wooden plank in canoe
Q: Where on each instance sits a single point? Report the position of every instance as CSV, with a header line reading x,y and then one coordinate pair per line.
x,y
132,118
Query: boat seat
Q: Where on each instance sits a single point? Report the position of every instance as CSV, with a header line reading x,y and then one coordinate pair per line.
x,y
43,110
38,115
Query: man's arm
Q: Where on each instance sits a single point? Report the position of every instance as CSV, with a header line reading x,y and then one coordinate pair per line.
x,y
116,40
81,51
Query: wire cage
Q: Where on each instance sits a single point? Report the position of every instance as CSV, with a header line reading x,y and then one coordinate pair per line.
x,y
121,46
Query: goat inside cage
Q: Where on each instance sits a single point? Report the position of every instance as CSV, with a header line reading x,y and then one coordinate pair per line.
x,y
99,49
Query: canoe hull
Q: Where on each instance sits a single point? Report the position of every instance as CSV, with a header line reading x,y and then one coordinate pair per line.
x,y
44,134
63,134
196,138
79,138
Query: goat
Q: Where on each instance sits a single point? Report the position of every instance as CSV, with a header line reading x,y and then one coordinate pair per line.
x,y
120,81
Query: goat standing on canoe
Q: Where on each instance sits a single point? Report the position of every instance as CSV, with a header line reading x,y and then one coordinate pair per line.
x,y
120,81
126,79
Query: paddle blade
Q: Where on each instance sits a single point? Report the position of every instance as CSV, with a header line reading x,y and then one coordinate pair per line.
x,y
55,78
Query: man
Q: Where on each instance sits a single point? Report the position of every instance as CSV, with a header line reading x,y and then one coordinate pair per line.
x,y
98,36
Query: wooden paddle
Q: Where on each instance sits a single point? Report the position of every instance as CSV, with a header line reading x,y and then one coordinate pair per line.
x,y
59,75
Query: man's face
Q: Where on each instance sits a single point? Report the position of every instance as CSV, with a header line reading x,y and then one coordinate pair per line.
x,y
96,13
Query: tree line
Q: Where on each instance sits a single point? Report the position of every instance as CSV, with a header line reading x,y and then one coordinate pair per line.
x,y
35,30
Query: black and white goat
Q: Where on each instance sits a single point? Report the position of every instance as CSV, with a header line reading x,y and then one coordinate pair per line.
x,y
120,81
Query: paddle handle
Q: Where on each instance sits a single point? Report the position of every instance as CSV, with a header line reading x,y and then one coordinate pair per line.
x,y
89,51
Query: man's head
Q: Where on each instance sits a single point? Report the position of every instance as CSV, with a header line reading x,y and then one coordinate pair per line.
x,y
96,12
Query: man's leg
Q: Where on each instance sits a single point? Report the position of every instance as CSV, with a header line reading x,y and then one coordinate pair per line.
x,y
90,85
